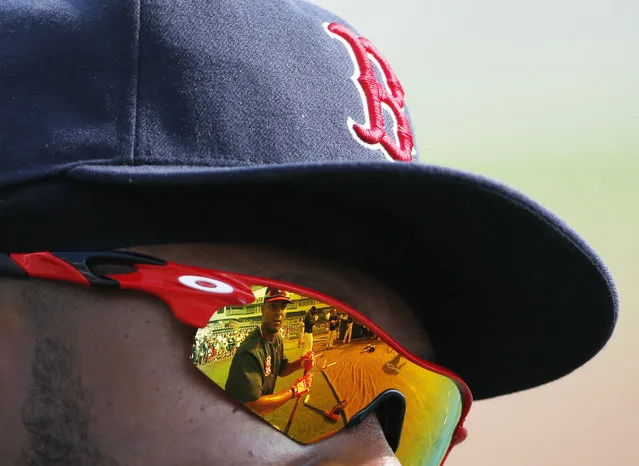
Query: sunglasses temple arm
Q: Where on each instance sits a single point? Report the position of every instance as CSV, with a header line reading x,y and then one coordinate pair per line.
x,y
70,266
10,269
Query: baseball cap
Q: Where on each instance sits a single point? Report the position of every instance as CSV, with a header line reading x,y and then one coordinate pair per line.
x,y
276,294
131,123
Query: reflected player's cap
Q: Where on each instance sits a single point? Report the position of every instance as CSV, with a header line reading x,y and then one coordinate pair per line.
x,y
276,294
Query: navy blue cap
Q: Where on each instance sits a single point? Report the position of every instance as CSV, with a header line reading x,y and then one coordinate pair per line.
x,y
125,123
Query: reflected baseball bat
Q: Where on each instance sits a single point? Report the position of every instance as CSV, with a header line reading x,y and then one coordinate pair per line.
x,y
290,419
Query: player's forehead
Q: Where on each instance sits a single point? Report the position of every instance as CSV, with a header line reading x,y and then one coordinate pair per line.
x,y
275,305
332,278
368,296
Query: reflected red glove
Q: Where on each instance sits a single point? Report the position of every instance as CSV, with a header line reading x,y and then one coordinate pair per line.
x,y
302,385
308,361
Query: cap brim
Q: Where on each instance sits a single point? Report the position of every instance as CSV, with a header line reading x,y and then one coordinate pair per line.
x,y
511,297
278,298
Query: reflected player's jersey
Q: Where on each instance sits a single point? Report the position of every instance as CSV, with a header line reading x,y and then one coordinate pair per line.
x,y
309,322
333,322
255,367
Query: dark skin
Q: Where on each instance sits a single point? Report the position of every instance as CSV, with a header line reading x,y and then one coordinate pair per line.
x,y
273,314
123,390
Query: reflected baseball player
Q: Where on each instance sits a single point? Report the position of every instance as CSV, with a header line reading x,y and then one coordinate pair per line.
x,y
333,328
260,360
309,322
348,334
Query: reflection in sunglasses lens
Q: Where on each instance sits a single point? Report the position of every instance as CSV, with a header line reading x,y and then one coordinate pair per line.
x,y
307,367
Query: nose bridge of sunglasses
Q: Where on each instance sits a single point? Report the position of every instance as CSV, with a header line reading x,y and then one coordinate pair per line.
x,y
323,350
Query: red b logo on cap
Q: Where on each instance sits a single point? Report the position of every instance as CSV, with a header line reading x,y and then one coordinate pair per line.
x,y
375,93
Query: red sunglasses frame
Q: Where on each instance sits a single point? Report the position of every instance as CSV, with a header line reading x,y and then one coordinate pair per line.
x,y
192,293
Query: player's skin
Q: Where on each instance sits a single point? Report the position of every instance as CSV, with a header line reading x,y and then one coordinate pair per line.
x,y
273,314
103,377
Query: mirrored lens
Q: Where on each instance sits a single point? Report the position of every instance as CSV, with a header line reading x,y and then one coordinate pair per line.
x,y
260,354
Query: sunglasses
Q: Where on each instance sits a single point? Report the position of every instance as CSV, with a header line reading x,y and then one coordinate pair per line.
x,y
304,362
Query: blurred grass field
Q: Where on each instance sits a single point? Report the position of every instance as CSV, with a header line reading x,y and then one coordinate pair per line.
x,y
593,409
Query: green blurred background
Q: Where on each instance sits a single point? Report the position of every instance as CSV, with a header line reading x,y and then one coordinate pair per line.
x,y
543,96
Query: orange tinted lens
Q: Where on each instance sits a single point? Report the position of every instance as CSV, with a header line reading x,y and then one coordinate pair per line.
x,y
256,354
